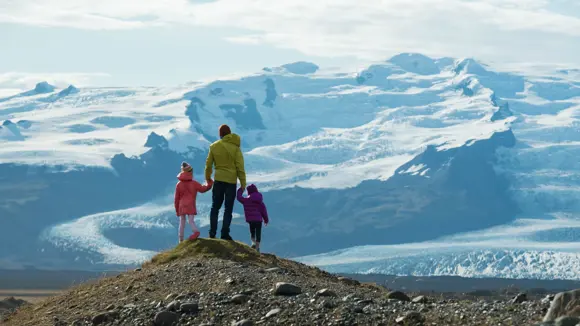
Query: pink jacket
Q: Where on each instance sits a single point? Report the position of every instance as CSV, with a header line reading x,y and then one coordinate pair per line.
x,y
186,193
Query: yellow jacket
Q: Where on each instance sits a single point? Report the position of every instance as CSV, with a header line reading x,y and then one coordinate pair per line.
x,y
227,157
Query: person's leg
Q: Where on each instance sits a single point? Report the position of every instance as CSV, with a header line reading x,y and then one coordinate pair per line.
x,y
253,233
181,228
217,201
258,235
194,228
230,197
258,232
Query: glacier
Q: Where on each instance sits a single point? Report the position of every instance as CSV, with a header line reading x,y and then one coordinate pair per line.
x,y
411,166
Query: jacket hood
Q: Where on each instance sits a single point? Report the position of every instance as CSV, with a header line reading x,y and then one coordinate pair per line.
x,y
185,176
252,189
253,194
233,139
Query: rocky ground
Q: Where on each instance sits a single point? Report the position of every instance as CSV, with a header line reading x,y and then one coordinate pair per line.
x,y
214,282
9,305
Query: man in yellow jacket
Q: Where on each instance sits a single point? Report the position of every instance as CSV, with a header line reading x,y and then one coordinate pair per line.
x,y
226,155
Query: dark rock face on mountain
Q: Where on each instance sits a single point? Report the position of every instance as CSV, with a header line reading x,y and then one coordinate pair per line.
x,y
191,111
301,68
68,91
43,87
271,93
246,116
154,140
504,84
24,124
502,113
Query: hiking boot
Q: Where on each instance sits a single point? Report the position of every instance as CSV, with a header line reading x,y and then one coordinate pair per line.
x,y
227,237
194,236
253,246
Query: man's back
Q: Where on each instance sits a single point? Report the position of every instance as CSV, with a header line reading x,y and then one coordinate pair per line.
x,y
227,157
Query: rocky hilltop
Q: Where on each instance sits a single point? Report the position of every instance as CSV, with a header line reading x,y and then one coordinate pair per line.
x,y
215,282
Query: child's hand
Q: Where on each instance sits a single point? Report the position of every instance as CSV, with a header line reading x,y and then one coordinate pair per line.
x,y
265,223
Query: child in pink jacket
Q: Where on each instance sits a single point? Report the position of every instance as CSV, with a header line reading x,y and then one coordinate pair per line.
x,y
185,196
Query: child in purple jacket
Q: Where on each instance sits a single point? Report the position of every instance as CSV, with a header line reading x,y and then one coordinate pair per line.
x,y
255,211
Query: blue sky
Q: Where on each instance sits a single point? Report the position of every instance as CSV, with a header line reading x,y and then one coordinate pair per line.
x,y
165,42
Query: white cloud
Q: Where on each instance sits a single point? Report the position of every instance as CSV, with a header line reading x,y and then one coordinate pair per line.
x,y
371,29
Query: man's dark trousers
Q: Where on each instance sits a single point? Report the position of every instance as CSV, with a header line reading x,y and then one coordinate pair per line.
x,y
222,191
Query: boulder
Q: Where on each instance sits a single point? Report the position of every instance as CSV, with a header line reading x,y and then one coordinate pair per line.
x,y
522,297
567,321
189,308
398,295
564,304
282,288
420,299
411,318
240,299
326,293
273,312
105,317
166,318
349,281
244,322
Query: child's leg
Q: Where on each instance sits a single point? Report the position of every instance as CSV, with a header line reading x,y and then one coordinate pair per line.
x,y
258,227
252,233
258,232
191,220
181,227
195,233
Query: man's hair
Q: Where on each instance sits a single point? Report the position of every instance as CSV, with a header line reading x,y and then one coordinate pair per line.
x,y
224,130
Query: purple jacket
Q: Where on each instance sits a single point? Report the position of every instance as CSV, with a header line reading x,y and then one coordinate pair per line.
x,y
254,207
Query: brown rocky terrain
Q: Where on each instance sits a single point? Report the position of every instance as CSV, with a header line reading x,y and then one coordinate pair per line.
x,y
215,282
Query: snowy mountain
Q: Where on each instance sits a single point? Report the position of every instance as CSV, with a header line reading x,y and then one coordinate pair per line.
x,y
412,166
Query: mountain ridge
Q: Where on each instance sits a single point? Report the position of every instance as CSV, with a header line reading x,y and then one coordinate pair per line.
x,y
405,137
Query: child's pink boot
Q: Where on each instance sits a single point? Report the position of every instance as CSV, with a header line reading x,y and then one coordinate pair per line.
x,y
194,236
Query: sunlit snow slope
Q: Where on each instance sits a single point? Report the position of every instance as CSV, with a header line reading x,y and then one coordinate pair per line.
x,y
411,166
